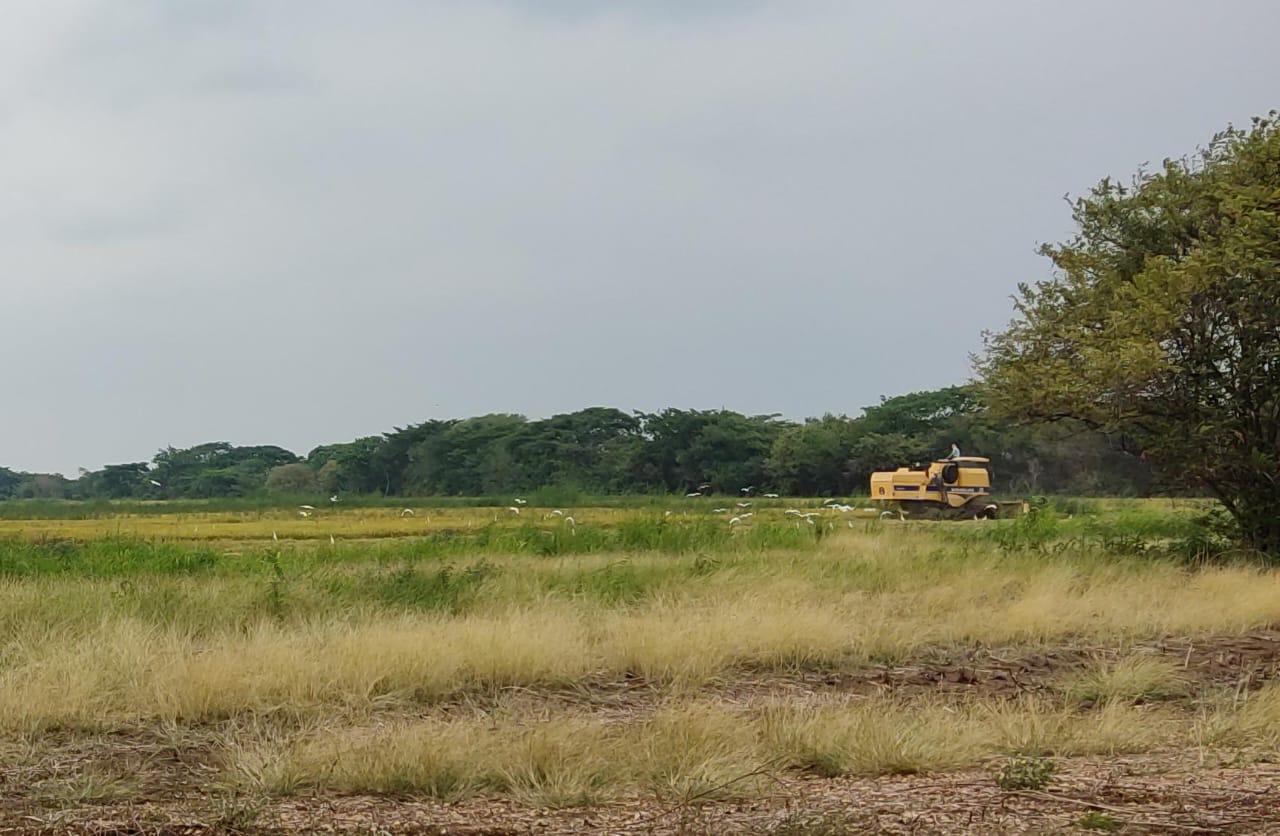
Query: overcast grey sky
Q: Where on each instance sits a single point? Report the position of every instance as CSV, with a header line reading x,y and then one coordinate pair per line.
x,y
301,222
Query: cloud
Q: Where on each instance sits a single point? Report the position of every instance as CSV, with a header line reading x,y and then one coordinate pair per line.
x,y
301,222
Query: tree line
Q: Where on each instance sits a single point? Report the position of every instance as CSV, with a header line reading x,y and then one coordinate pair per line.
x,y
607,451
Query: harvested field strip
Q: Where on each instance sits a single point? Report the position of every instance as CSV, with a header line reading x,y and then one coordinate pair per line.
x,y
475,525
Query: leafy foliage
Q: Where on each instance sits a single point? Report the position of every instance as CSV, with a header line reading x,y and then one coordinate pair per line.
x,y
601,451
1162,325
1022,773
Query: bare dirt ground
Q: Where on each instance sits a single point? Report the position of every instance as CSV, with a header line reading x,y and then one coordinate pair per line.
x,y
1130,795
164,781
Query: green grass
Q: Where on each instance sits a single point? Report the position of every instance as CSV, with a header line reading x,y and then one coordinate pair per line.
x,y
122,556
556,664
105,558
1156,528
1131,679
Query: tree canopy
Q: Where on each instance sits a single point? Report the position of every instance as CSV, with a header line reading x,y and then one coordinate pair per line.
x,y
1162,325
607,451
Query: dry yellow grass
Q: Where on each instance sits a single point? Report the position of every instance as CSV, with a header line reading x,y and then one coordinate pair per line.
x,y
1131,678
289,524
87,652
684,750
353,684
341,523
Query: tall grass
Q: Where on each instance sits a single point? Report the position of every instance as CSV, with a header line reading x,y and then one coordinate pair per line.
x,y
101,652
115,556
1129,679
682,750
434,665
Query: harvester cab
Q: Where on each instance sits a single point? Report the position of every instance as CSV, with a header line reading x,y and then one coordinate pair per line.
x,y
956,488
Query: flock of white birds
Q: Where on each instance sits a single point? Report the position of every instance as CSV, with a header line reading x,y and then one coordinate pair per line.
x,y
741,516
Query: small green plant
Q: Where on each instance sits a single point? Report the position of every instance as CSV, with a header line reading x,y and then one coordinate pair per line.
x,y
1023,773
445,589
275,584
1033,531
1093,820
91,785
237,812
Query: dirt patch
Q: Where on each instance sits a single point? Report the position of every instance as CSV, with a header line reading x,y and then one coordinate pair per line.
x,y
1153,794
1240,661
1244,661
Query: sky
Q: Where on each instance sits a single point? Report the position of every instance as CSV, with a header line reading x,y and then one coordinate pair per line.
x,y
304,221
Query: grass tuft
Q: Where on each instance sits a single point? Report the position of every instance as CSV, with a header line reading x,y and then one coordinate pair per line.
x,y
1131,679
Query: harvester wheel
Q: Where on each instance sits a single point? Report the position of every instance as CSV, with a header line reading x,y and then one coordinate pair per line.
x,y
950,473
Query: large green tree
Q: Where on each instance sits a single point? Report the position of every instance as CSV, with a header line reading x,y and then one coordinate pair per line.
x,y
1162,325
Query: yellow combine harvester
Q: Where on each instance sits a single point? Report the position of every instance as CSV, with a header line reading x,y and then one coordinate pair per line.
x,y
956,489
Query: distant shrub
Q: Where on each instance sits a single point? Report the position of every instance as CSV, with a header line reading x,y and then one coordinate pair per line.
x,y
1033,530
292,479
1074,506
558,496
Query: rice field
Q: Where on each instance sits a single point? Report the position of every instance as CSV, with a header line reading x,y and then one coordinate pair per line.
x,y
631,669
